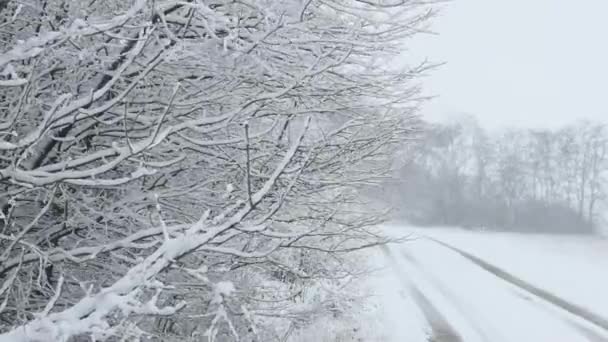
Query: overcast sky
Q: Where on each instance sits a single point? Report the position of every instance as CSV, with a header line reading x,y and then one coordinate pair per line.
x,y
519,62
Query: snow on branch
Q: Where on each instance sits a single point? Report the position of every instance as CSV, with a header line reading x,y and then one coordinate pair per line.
x,y
91,312
33,46
151,151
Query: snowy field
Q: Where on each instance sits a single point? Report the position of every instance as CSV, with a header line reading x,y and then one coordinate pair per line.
x,y
427,292
572,267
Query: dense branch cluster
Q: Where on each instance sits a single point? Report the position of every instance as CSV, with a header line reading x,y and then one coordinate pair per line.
x,y
187,169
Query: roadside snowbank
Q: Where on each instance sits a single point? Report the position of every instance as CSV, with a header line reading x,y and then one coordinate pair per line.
x,y
388,313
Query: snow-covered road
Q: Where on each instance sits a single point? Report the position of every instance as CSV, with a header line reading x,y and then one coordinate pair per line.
x,y
461,300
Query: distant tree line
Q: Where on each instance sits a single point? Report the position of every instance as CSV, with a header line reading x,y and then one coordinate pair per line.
x,y
518,179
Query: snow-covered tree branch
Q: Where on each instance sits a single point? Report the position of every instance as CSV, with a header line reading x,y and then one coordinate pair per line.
x,y
172,169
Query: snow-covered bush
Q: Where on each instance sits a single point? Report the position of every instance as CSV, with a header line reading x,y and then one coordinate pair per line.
x,y
171,170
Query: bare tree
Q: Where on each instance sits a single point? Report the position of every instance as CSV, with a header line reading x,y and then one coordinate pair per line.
x,y
174,169
599,146
518,179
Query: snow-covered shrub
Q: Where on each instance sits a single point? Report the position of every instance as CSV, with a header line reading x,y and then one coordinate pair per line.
x,y
173,170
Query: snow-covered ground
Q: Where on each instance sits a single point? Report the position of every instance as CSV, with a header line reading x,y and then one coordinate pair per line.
x,y
388,312
572,267
392,313
428,292
434,293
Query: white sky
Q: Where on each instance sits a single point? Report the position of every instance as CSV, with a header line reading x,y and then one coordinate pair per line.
x,y
519,62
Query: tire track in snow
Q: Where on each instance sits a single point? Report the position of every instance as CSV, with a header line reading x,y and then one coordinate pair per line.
x,y
591,335
442,331
462,307
573,309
